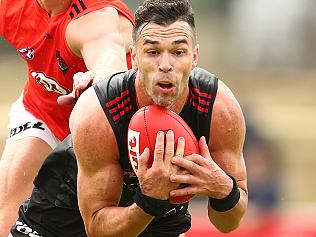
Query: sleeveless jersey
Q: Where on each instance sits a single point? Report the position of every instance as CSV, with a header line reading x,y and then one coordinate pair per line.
x,y
40,41
54,196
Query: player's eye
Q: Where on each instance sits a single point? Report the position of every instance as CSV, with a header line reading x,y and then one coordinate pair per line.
x,y
179,53
152,52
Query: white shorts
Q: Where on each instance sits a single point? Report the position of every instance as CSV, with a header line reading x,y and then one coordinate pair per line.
x,y
23,124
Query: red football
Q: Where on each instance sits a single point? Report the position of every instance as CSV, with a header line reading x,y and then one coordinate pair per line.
x,y
142,131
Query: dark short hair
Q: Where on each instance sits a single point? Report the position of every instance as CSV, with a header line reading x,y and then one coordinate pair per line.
x,y
164,13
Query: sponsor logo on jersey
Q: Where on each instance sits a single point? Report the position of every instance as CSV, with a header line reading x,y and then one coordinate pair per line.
x,y
27,53
24,229
26,126
133,148
63,67
49,83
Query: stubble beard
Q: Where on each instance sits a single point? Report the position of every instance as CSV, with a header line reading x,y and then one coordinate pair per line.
x,y
165,101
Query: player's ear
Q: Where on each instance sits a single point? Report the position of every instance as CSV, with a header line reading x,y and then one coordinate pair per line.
x,y
195,56
132,50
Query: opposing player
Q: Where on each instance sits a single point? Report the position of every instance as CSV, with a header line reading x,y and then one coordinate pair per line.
x,y
56,38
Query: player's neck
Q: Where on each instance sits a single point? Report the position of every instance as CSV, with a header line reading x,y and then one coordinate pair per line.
x,y
178,106
53,7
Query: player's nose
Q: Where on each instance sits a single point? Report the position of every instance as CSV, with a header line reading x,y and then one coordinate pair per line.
x,y
165,63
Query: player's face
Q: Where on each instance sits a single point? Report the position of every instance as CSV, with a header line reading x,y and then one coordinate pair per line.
x,y
164,57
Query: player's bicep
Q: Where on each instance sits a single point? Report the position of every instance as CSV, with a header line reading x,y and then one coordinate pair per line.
x,y
228,134
96,151
98,190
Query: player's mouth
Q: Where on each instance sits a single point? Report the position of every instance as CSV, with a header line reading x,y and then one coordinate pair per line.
x,y
165,87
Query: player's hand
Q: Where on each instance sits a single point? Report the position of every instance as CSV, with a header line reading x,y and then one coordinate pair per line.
x,y
155,180
82,80
204,176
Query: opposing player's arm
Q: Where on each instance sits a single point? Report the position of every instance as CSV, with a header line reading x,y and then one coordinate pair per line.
x,y
226,148
100,176
102,39
2,24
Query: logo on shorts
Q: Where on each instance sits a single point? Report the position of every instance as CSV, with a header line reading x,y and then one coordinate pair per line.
x,y
24,229
27,53
26,126
49,83
133,148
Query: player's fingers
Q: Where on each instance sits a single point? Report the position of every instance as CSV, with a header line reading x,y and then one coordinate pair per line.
x,y
169,147
77,77
189,163
76,93
83,86
82,82
179,153
184,178
143,162
204,150
86,79
186,190
65,100
159,149
180,147
199,160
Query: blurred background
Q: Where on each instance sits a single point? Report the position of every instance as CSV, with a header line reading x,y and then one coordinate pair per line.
x,y
265,52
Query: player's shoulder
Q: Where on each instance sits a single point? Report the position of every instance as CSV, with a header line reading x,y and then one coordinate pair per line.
x,y
90,128
85,112
225,98
204,83
227,114
203,78
115,84
199,72
79,8
225,101
225,93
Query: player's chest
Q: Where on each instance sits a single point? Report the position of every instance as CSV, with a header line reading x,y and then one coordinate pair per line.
x,y
38,44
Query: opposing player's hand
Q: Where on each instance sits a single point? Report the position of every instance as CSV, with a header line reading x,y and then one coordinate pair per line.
x,y
82,80
204,175
155,180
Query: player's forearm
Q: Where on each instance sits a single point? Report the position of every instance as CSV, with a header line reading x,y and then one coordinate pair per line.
x,y
229,220
105,57
109,69
112,61
118,221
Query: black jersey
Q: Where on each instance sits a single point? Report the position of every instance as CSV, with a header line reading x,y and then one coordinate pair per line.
x,y
52,210
117,97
